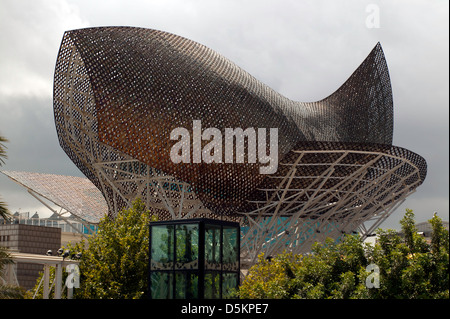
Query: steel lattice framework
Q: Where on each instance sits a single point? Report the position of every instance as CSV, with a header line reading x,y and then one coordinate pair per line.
x,y
72,194
120,91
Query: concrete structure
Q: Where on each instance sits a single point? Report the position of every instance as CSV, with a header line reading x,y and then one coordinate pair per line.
x,y
45,262
29,239
426,229
72,230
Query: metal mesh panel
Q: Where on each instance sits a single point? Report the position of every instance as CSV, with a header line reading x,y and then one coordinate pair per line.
x,y
120,91
75,194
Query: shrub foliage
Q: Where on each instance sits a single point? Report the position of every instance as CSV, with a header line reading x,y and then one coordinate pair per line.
x,y
407,267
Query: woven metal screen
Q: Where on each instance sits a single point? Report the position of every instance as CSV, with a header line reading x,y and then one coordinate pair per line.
x,y
77,195
120,91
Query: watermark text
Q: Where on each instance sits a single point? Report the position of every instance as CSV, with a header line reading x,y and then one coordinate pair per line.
x,y
232,152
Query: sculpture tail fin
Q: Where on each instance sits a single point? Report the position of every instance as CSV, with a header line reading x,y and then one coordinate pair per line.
x,y
363,105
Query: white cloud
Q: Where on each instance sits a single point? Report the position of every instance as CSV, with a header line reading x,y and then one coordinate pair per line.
x,y
30,37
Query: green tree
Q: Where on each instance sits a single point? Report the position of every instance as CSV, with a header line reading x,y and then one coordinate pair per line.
x,y
114,262
439,275
8,291
409,229
408,267
271,278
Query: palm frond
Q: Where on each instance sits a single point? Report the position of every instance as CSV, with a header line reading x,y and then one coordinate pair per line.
x,y
11,292
3,155
4,212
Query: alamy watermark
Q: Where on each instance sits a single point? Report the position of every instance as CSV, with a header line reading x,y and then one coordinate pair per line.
x,y
215,152
73,278
373,279
373,19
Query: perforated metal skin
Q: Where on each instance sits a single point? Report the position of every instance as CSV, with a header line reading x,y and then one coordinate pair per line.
x,y
120,91
76,195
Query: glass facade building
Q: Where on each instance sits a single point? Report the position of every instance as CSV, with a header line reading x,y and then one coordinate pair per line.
x,y
193,259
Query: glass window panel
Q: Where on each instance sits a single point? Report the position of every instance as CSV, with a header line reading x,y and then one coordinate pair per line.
x,y
161,285
186,285
187,246
230,258
162,247
229,284
212,247
212,284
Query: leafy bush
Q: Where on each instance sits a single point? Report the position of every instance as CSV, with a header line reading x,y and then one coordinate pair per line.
x,y
409,267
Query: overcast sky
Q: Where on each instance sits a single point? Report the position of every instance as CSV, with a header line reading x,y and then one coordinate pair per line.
x,y
303,49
